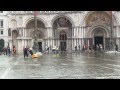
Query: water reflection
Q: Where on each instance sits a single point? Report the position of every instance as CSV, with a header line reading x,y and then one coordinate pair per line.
x,y
64,65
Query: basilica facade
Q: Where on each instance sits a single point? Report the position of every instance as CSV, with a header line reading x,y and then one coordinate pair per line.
x,y
62,29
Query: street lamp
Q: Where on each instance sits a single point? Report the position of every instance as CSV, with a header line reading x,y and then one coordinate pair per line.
x,y
111,38
35,45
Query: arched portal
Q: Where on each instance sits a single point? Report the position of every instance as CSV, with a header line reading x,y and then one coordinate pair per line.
x,y
40,33
62,28
99,36
63,38
98,28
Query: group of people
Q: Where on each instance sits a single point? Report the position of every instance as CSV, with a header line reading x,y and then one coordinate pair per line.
x,y
98,47
7,51
27,51
77,48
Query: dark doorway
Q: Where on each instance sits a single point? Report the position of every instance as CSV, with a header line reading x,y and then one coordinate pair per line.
x,y
98,40
40,46
1,45
63,46
63,38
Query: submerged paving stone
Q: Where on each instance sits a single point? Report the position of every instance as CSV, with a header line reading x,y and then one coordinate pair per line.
x,y
68,66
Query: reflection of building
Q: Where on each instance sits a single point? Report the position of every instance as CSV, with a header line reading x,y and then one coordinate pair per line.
x,y
65,29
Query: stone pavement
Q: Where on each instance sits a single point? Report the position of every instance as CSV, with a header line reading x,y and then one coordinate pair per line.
x,y
61,66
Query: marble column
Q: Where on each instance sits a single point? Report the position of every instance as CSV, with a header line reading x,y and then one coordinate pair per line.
x,y
74,32
47,32
80,32
77,32
23,32
88,43
83,32
50,31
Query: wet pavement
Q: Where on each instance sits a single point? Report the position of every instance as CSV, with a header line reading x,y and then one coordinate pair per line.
x,y
61,66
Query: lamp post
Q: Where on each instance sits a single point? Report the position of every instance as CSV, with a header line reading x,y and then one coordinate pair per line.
x,y
35,45
111,38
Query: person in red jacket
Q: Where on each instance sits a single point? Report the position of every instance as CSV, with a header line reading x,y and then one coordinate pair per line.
x,y
14,49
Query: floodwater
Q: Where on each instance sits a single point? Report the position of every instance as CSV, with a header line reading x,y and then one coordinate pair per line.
x,y
61,66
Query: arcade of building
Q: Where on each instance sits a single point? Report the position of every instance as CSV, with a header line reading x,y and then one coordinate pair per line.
x,y
64,30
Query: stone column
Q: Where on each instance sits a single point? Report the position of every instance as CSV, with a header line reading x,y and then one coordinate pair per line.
x,y
77,32
117,31
88,42
74,32
82,35
23,32
47,32
26,33
22,43
19,47
50,31
83,32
